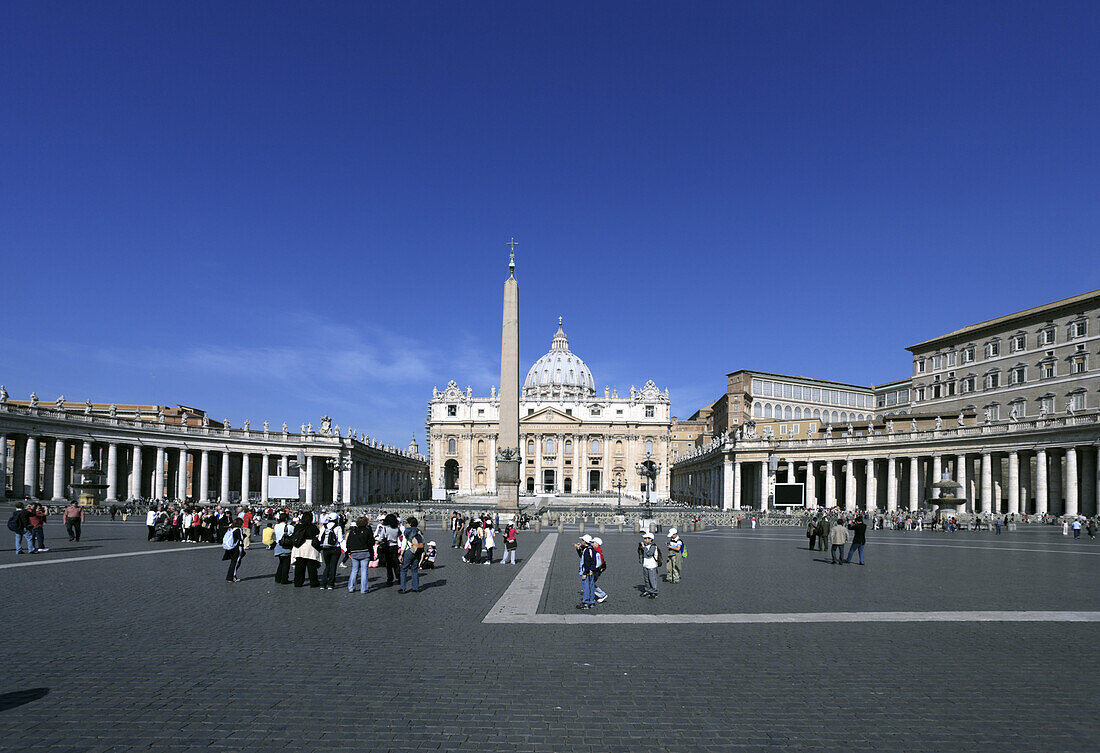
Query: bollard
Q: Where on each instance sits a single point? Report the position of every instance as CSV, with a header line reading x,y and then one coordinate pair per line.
x,y
538,525
620,527
601,528
637,526
561,526
581,526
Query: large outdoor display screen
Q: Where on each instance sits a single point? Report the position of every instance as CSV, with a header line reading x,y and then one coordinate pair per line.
x,y
789,495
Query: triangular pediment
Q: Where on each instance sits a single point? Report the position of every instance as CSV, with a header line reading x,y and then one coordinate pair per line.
x,y
550,416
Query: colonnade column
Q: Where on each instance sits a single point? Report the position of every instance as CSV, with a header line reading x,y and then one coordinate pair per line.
x,y
1040,481
58,470
224,486
204,476
869,486
30,469
181,475
849,484
764,484
309,480
811,486
135,473
1071,481
1054,484
937,474
891,485
960,477
112,472
347,486
244,478
1013,483
265,467
727,484
159,474
987,483
737,474
3,465
1096,493
914,482
830,485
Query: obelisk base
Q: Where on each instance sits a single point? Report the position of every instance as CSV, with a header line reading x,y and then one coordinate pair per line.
x,y
508,485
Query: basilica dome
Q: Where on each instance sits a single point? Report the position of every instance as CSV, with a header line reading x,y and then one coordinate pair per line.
x,y
559,371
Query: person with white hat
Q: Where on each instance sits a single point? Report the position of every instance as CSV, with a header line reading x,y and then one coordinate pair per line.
x,y
587,572
676,552
649,557
601,565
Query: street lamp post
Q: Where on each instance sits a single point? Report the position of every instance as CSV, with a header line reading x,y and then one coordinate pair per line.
x,y
618,483
649,470
341,463
419,490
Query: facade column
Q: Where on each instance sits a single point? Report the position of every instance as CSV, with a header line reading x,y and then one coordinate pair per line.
x,y
727,484
1054,484
347,485
849,484
1025,482
158,473
1088,476
30,469
112,472
181,476
135,473
870,503
811,486
223,490
1014,483
891,484
1071,481
265,468
738,473
937,474
204,476
59,470
830,485
960,477
1096,480
245,469
1041,497
3,465
764,484
987,483
309,480
914,482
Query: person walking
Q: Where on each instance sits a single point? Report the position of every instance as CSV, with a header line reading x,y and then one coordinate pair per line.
x,y
811,534
859,538
38,527
677,551
456,526
649,558
411,549
387,548
1076,528
331,536
360,544
601,566
304,555
233,544
490,542
74,518
822,532
838,537
284,545
587,570
510,544
151,521
20,525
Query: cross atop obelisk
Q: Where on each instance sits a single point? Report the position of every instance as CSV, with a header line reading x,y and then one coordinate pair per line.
x,y
508,451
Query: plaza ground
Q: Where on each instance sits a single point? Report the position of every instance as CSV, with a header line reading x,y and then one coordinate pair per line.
x,y
157,652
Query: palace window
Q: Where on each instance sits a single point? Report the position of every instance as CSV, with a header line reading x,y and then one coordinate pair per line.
x,y
968,355
992,349
782,429
549,446
1018,343
767,410
758,410
993,380
1016,376
649,411
920,366
568,447
450,446
817,394
787,413
937,363
951,359
595,447
920,394
1077,401
481,411
1046,337
481,447
595,411
1078,328
812,429
530,447
937,391
1046,371
788,390
797,412
1080,364
649,447
452,410
1020,406
618,447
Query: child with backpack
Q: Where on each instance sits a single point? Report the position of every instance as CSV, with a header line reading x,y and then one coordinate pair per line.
x,y
233,544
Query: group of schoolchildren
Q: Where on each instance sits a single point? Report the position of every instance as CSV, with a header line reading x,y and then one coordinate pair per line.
x,y
195,525
593,564
478,536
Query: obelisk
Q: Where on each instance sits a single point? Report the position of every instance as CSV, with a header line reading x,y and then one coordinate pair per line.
x,y
508,455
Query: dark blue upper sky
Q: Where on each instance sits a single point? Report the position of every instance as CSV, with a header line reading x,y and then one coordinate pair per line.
x,y
287,209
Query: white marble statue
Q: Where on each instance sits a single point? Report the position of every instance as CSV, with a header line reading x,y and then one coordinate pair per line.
x,y
88,407
1014,414
939,423
1069,408
266,427
226,424
829,431
912,424
3,395
137,414
309,428
34,399
205,421
184,417
851,431
326,425
960,420
493,391
284,427
59,403
112,410
890,426
247,424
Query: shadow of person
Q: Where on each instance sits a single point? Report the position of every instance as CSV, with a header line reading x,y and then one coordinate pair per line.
x,y
19,697
433,584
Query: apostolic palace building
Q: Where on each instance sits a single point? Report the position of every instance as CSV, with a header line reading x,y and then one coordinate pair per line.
x,y
1008,408
572,439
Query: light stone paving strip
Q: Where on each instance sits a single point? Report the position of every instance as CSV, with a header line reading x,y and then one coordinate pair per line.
x,y
105,556
522,598
794,618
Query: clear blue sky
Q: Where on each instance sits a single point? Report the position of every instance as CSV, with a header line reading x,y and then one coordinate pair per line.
x,y
289,209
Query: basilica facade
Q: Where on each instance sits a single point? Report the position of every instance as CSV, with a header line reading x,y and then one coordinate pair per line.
x,y
573,441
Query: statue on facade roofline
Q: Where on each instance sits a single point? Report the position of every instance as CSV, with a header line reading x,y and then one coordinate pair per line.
x,y
326,425
247,424
34,399
3,394
184,415
205,421
912,424
59,403
939,423
160,415
1014,414
226,424
88,407
890,426
309,428
266,426
1069,407
960,420
284,427
112,411
137,414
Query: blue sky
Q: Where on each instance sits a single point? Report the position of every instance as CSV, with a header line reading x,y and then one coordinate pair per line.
x,y
282,210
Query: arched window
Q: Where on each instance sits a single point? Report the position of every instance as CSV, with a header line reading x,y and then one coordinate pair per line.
x,y
787,412
817,413
649,447
843,416
530,447
797,412
549,446
767,410
758,410
451,446
595,447
568,447
481,447
481,479
835,416
618,447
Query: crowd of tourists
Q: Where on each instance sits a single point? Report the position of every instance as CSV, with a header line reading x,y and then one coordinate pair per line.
x,y
479,537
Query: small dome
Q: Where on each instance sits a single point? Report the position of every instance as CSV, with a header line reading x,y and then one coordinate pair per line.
x,y
559,369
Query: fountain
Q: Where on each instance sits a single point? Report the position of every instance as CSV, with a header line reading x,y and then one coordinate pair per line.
x,y
91,485
948,489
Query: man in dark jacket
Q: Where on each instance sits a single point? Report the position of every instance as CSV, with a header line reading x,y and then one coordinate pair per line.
x,y
22,529
360,547
859,538
822,532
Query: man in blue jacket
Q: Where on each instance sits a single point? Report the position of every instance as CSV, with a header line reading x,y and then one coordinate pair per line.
x,y
588,571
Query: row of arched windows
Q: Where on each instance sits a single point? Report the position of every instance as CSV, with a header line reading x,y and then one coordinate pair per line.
x,y
787,413
549,447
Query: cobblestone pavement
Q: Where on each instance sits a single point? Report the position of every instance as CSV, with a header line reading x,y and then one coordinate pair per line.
x,y
160,653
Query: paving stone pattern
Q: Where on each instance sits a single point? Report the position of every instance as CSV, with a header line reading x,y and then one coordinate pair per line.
x,y
160,653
